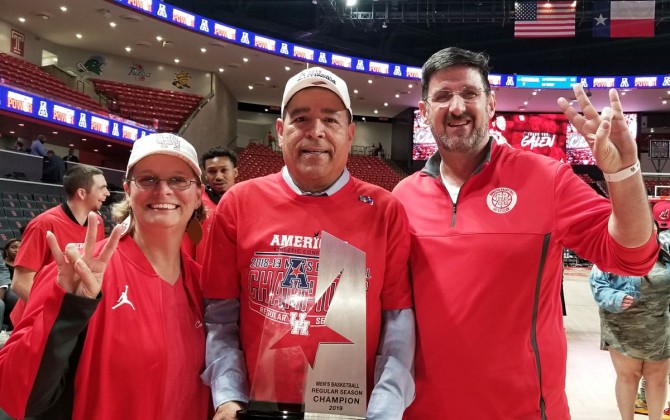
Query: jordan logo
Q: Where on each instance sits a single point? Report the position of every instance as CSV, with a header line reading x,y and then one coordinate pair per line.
x,y
124,299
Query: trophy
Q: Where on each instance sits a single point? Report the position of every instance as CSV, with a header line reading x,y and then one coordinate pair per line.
x,y
312,358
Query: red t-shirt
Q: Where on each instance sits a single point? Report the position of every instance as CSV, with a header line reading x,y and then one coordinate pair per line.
x,y
263,234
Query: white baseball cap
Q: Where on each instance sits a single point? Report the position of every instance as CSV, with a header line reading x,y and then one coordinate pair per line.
x,y
164,144
316,77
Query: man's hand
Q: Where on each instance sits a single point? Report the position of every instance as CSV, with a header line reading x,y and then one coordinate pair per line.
x,y
607,134
81,274
227,411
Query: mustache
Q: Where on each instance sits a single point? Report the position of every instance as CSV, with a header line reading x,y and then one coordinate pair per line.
x,y
451,117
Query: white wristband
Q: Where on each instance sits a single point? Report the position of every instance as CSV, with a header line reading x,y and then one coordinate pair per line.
x,y
621,175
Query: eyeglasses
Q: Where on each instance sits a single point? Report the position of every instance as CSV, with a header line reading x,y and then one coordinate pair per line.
x,y
174,182
467,94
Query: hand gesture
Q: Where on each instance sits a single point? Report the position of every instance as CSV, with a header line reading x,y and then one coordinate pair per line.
x,y
626,302
81,274
607,134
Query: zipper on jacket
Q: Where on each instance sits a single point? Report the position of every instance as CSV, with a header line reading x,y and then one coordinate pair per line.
x,y
533,330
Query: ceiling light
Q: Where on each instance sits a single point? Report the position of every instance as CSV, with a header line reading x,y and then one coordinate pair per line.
x,y
534,93
63,9
376,112
287,68
22,19
220,69
95,150
21,124
363,118
370,81
83,139
176,60
410,86
525,102
397,95
664,102
71,145
109,145
251,87
79,36
245,59
267,78
386,104
266,110
54,132
351,3
623,93
128,49
11,132
203,50
159,38
355,90
112,24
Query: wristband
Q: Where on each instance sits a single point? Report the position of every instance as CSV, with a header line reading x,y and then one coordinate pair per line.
x,y
621,175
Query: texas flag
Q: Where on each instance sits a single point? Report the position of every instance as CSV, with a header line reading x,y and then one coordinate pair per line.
x,y
623,19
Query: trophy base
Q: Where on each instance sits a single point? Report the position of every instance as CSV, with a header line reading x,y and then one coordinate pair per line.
x,y
261,410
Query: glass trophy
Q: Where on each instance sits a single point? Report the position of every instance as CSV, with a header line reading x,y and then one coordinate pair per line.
x,y
312,361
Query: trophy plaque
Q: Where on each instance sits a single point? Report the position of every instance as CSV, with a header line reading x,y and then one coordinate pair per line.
x,y
312,358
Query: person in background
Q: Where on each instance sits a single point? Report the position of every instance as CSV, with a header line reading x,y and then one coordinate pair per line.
x,y
37,146
115,332
489,224
8,298
271,140
86,191
313,193
19,147
220,169
53,168
71,157
635,329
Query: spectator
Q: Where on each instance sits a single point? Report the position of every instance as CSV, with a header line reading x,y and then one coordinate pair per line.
x,y
136,313
86,190
19,147
53,168
487,278
635,329
271,140
8,298
379,150
37,146
220,168
71,157
313,193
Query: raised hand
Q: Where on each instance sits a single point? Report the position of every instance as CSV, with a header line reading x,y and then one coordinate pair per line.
x,y
81,274
607,134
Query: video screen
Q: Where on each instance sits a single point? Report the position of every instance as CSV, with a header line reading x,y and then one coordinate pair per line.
x,y
537,133
547,134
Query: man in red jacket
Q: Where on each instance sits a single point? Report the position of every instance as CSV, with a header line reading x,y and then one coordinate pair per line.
x,y
488,225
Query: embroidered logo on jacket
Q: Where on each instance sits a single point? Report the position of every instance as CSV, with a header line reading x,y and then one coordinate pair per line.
x,y
501,200
123,299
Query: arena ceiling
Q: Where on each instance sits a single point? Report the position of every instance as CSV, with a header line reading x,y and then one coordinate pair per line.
x,y
407,39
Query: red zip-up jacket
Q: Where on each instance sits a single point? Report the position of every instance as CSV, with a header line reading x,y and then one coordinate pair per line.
x,y
486,275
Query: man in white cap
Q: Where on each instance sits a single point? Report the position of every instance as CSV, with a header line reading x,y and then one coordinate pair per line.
x,y
280,218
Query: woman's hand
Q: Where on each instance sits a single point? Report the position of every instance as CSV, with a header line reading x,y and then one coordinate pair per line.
x,y
626,302
81,274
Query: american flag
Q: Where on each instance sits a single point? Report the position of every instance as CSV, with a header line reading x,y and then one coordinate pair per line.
x,y
544,19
